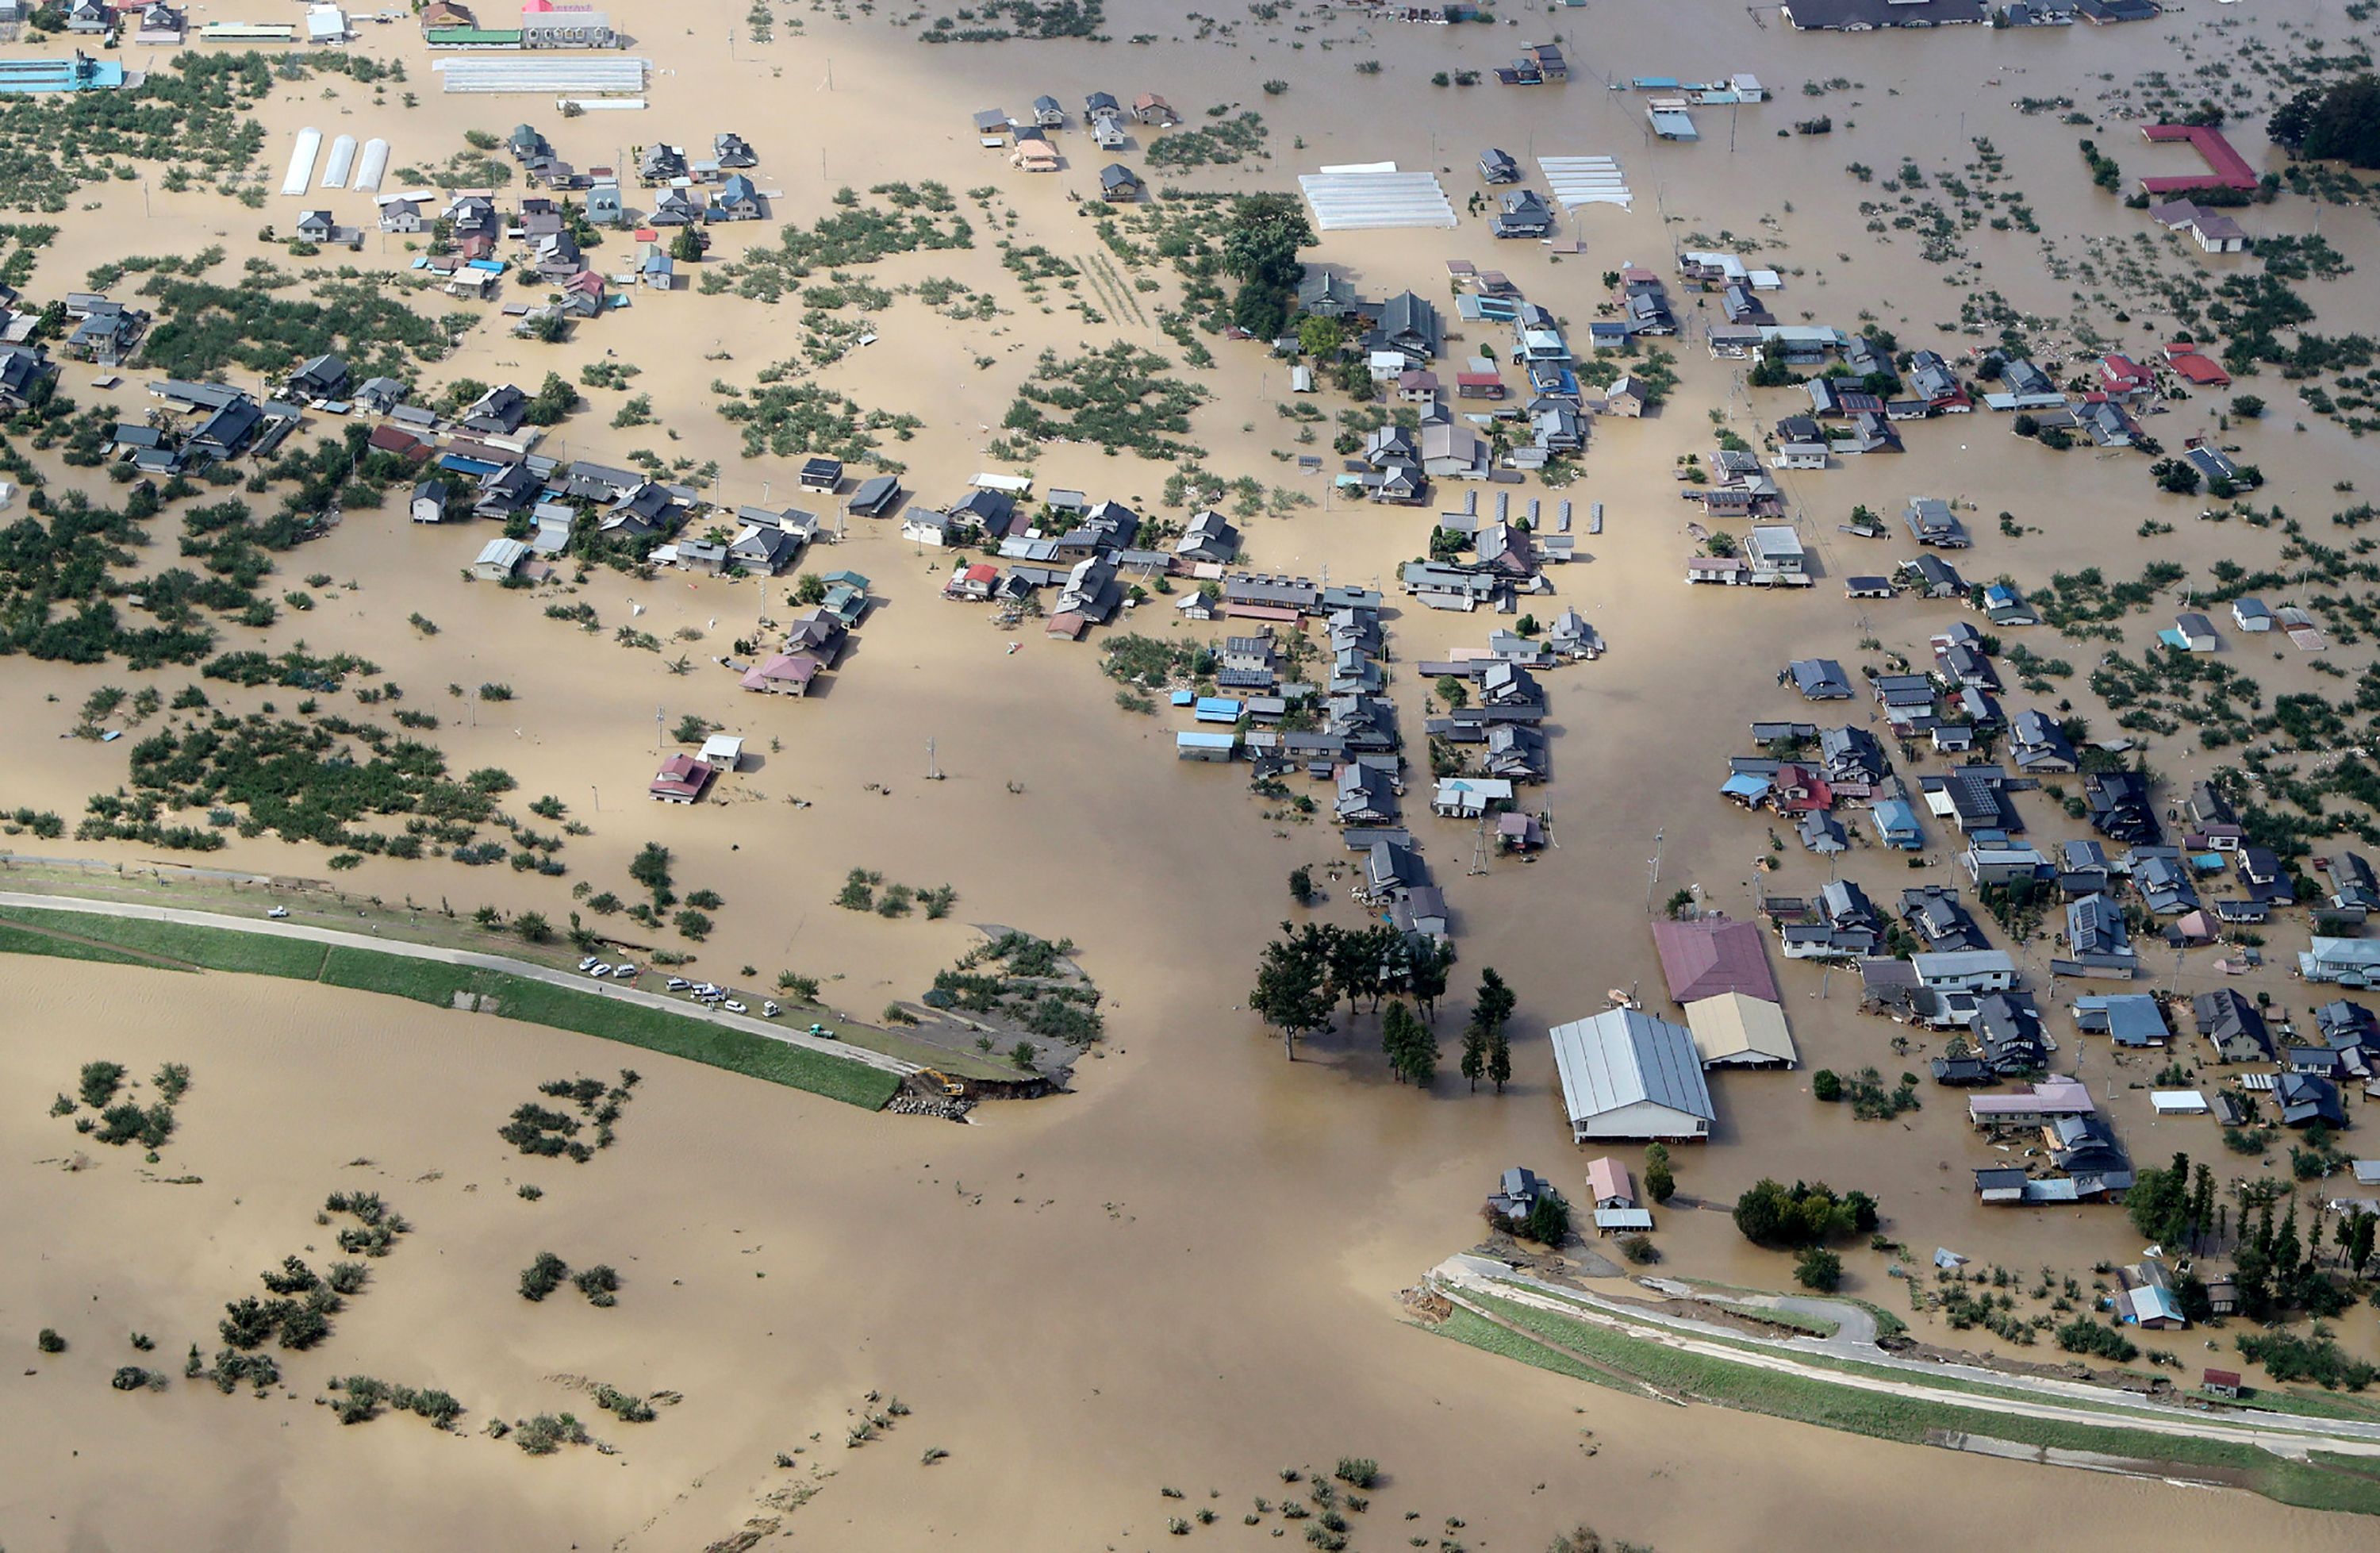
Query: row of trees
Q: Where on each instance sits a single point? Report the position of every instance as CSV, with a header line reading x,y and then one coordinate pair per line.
x,y
1304,973
2278,1270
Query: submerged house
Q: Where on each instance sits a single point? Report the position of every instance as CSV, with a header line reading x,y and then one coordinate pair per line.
x,y
1628,1075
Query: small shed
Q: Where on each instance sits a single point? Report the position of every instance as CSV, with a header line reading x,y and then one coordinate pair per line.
x,y
2222,1383
1203,745
1623,1221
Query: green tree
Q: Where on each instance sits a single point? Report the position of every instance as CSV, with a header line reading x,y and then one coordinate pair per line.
x,y
1475,1054
1661,1183
1548,1220
1294,992
1354,965
1413,1050
1490,1007
687,247
1262,238
2159,1203
809,588
1427,964
1322,339
1819,1269
1804,1214
650,868
1301,885
2339,122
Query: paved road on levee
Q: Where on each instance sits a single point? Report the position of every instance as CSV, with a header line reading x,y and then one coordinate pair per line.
x,y
2063,1400
266,927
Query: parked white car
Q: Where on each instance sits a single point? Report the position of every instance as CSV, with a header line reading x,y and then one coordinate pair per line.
x,y
734,1008
278,911
588,963
622,972
599,968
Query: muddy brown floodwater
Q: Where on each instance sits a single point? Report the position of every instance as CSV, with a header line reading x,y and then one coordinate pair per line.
x,y
1183,1274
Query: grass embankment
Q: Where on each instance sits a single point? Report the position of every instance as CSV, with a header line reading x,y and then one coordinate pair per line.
x,y
435,983
2331,1483
15,939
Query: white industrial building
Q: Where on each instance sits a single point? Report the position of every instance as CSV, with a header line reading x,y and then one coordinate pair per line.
x,y
1628,1075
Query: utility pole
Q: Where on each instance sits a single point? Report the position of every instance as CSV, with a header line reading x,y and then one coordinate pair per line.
x,y
933,768
1653,871
657,730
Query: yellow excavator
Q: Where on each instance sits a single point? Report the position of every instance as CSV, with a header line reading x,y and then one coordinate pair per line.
x,y
950,1086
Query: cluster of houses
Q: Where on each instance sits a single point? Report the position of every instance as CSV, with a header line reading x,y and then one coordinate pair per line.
x,y
1611,1196
699,190
1090,557
1030,148
1338,727
1863,394
149,21
161,24
1494,429
548,227
1536,65
202,424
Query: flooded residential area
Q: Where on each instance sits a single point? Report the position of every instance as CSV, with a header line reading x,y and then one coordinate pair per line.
x,y
1064,774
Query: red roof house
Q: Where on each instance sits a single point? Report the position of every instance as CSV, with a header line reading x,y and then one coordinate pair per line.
x,y
2185,358
1710,955
785,674
681,780
397,440
1797,789
2122,375
975,581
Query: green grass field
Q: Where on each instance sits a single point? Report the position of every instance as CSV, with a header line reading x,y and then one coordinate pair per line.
x,y
252,952
2336,1484
15,939
431,982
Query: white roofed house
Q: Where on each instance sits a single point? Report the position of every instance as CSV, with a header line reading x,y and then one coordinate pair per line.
x,y
1628,1075
923,526
498,559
